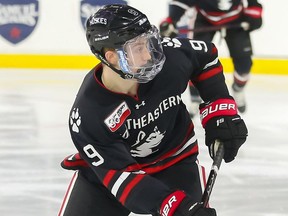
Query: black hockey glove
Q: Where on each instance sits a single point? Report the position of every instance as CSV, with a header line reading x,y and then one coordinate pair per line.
x,y
221,121
178,204
253,15
167,28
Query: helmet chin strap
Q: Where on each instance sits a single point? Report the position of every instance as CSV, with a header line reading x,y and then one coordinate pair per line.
x,y
123,75
120,72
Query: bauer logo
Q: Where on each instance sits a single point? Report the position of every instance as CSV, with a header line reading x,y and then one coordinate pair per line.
x,y
89,7
18,19
118,117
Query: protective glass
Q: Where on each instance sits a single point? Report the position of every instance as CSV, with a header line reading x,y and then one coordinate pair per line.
x,y
142,57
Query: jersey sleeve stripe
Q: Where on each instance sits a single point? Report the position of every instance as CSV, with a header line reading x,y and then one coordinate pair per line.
x,y
209,73
214,62
129,187
119,182
255,12
108,177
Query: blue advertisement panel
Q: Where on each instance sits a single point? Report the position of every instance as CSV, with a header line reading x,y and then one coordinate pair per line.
x,y
18,19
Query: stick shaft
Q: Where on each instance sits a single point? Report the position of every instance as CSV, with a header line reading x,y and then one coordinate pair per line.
x,y
213,174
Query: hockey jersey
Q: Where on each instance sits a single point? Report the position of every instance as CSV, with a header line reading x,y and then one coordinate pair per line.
x,y
217,12
127,139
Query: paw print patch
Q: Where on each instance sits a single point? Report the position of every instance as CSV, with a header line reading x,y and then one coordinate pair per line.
x,y
75,120
171,42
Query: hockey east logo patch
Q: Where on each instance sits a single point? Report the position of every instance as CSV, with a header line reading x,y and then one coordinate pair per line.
x,y
117,118
18,19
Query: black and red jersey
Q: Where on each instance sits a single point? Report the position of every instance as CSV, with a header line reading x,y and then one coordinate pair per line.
x,y
216,12
125,139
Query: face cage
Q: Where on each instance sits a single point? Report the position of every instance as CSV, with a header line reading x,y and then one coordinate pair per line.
x,y
142,58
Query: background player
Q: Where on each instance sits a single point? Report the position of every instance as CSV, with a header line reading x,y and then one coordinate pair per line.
x,y
136,141
220,13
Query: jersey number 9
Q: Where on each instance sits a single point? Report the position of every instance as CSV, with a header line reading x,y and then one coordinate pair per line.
x,y
91,152
198,45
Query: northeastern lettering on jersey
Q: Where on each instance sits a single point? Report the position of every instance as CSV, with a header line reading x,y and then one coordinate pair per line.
x,y
88,7
18,19
150,117
118,117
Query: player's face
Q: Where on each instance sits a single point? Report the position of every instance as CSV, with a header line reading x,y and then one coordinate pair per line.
x,y
137,52
142,57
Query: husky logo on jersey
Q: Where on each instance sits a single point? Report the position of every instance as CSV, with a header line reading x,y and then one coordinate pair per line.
x,y
171,42
146,145
75,120
88,7
224,5
118,117
18,19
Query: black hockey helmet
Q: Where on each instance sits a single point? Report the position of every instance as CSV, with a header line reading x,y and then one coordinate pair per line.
x,y
113,26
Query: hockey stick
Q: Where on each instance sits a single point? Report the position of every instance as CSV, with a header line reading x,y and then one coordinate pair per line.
x,y
243,25
213,172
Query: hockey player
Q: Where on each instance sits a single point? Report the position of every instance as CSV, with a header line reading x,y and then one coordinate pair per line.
x,y
136,141
219,13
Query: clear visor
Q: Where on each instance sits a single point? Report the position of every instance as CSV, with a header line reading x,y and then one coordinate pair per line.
x,y
142,57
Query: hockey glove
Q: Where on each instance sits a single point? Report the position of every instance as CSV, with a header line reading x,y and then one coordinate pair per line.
x,y
221,121
253,15
167,28
178,204
74,162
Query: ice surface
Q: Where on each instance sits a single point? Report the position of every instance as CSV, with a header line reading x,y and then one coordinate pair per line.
x,y
34,138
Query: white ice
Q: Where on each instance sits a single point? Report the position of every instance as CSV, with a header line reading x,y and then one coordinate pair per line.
x,y
34,138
